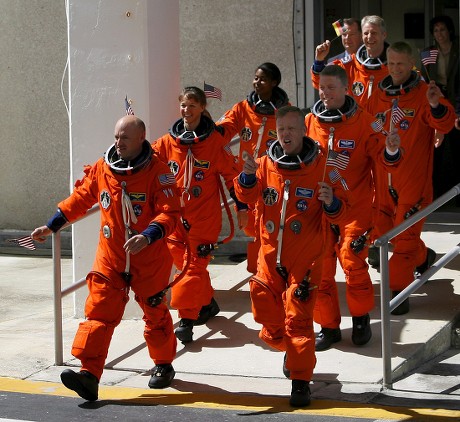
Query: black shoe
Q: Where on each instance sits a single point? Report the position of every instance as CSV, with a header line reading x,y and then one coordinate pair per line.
x,y
86,385
362,332
429,261
402,308
300,394
373,256
162,376
286,372
326,337
185,330
207,312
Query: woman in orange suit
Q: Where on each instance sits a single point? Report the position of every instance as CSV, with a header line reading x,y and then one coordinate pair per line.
x,y
194,151
253,119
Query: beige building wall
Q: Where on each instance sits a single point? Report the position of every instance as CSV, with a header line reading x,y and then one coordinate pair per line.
x,y
222,43
34,135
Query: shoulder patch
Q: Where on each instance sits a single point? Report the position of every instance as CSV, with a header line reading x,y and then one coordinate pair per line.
x,y
357,88
105,199
270,196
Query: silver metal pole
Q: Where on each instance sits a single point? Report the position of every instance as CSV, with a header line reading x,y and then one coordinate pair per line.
x,y
57,275
385,315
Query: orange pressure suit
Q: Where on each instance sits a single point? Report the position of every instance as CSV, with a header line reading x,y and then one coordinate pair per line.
x,y
411,181
253,119
197,160
255,122
349,133
148,196
291,251
363,73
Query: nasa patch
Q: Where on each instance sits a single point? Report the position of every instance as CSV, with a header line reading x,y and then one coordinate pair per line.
x,y
137,209
199,175
301,205
404,124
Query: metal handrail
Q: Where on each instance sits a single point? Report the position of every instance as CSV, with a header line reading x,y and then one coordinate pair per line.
x,y
59,293
387,305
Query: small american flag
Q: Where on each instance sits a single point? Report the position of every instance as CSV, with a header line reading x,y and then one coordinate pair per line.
x,y
212,92
129,110
396,113
429,56
335,159
25,242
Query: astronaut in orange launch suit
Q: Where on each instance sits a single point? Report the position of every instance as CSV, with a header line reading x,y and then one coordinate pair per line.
x,y
354,145
291,200
139,208
416,109
194,151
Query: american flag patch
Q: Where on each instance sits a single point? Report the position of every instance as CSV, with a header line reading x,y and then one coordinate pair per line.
x,y
335,159
167,179
334,176
377,125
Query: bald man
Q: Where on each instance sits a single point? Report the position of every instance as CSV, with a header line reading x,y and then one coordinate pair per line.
x,y
139,208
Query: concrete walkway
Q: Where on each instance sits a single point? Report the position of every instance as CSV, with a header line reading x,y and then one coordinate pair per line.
x,y
228,357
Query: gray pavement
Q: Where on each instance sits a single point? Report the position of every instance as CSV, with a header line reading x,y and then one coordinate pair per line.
x,y
227,356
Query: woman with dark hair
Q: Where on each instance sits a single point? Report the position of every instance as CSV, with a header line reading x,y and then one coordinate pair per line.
x,y
253,119
445,72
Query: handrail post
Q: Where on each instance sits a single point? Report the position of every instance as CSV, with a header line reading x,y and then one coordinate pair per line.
x,y
385,315
57,276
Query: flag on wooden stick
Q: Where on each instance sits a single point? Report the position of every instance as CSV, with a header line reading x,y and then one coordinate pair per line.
x,y
25,242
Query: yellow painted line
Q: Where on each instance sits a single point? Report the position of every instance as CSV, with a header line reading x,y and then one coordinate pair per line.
x,y
169,397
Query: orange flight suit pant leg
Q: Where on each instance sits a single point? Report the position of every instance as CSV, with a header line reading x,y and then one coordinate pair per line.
x,y
104,309
268,310
194,290
409,252
158,332
327,308
359,288
300,336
